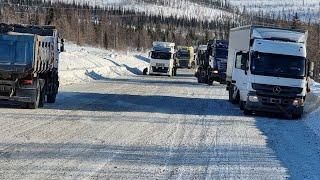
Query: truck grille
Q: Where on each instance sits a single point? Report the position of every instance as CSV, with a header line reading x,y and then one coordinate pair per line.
x,y
160,69
183,63
273,90
222,66
271,101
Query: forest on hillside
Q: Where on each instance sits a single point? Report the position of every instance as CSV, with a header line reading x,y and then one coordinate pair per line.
x,y
116,28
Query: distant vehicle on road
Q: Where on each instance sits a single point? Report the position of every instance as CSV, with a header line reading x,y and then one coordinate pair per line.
x,y
214,65
268,70
185,57
162,59
29,57
200,58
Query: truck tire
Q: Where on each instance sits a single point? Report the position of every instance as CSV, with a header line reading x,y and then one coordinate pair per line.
x,y
53,89
208,75
242,105
209,81
35,104
51,98
175,72
198,75
221,81
145,71
205,79
297,115
247,112
42,98
199,80
231,99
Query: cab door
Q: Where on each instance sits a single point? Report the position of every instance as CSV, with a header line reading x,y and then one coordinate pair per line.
x,y
239,74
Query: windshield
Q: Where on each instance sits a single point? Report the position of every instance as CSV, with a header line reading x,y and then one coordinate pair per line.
x,y
161,55
278,65
183,54
221,53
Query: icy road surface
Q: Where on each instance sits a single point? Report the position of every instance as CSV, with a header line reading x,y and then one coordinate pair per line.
x,y
151,128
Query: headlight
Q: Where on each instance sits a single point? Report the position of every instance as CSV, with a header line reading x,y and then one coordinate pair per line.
x,y
253,99
215,72
297,102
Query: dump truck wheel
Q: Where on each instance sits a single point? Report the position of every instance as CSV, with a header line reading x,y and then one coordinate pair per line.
x,y
51,98
145,71
35,104
231,99
242,105
247,112
42,98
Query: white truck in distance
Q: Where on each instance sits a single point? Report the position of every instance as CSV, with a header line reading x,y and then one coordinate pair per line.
x,y
162,59
268,70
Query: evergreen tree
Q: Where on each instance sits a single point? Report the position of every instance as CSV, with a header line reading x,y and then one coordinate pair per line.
x,y
295,21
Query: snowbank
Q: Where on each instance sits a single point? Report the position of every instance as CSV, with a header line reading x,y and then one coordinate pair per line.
x,y
313,107
83,64
313,98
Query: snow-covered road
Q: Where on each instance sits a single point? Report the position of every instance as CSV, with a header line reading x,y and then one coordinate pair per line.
x,y
151,128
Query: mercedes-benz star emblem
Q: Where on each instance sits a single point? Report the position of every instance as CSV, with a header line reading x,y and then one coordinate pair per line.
x,y
277,90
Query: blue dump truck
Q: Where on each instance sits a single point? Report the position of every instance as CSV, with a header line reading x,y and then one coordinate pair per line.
x,y
29,57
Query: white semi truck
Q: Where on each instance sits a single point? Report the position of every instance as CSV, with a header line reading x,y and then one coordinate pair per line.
x,y
268,70
162,59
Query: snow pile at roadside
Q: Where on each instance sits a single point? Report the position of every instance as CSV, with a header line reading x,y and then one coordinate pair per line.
x,y
313,98
83,64
313,119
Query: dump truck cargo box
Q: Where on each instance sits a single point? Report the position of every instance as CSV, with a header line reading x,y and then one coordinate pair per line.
x,y
16,53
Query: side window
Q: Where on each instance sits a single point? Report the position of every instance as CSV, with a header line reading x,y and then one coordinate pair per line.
x,y
238,60
241,60
244,61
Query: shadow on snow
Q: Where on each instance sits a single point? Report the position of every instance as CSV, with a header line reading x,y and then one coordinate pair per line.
x,y
294,144
139,103
255,161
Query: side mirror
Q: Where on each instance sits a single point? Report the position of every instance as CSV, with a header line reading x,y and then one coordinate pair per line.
x,y
62,45
310,69
244,63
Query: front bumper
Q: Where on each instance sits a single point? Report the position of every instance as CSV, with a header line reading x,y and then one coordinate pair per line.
x,y
159,70
16,98
273,104
183,64
221,76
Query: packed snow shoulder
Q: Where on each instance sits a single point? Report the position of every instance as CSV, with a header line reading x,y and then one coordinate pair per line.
x,y
313,106
84,64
